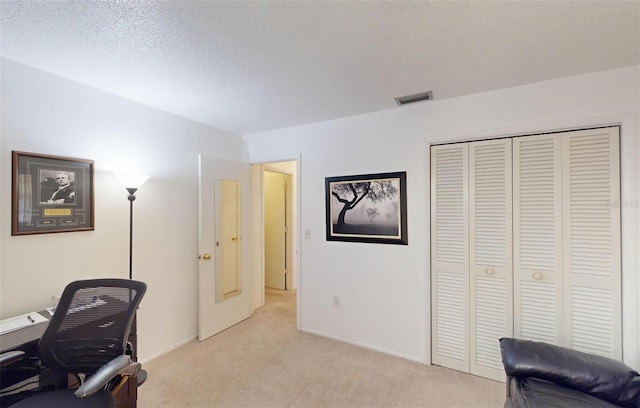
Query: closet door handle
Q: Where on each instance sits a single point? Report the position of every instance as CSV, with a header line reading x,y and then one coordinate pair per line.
x,y
490,271
537,276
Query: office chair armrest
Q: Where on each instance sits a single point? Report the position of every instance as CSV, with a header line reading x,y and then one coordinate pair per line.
x,y
11,357
119,365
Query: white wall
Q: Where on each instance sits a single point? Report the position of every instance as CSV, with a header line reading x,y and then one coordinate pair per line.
x,y
43,113
385,288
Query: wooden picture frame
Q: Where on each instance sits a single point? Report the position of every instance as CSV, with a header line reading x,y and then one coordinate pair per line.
x,y
51,194
367,208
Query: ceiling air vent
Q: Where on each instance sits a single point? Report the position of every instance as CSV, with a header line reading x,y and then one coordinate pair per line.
x,y
424,96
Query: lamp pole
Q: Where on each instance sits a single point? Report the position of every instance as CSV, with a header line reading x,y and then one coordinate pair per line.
x,y
132,197
131,182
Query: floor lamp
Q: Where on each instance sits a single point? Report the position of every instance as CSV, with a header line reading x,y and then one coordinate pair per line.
x,y
131,182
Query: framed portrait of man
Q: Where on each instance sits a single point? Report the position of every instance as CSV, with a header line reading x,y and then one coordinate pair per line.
x,y
51,194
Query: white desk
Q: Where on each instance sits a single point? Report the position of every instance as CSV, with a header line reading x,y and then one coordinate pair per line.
x,y
14,339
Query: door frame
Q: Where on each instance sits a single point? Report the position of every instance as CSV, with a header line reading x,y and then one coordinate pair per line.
x,y
257,230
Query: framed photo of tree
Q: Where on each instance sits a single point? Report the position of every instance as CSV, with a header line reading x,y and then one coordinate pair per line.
x,y
51,194
367,208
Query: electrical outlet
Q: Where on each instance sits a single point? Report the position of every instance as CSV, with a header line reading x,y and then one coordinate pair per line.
x,y
336,301
307,234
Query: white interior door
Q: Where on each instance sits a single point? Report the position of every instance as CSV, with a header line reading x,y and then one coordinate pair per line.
x,y
223,214
537,223
490,255
591,241
289,233
450,259
275,230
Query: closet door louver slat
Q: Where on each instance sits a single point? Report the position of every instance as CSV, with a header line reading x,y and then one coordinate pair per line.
x,y
490,254
449,243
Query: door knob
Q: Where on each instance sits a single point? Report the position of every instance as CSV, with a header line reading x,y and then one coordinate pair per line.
x,y
537,276
205,257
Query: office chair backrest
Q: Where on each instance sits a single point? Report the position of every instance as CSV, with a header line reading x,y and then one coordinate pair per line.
x,y
91,324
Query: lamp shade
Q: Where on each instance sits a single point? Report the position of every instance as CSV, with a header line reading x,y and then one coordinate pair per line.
x,y
132,180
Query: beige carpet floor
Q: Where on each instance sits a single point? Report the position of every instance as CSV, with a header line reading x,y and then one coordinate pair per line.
x,y
265,362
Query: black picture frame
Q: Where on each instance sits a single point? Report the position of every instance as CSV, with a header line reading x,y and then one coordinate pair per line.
x,y
40,204
368,208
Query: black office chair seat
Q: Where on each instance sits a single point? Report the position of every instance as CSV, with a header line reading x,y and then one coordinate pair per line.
x,y
66,399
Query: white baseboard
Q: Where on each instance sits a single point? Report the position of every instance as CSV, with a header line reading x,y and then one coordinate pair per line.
x,y
368,346
175,346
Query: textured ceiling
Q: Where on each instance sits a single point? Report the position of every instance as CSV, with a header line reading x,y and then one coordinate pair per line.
x,y
248,67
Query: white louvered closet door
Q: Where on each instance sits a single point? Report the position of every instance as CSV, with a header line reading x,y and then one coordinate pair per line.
x,y
591,241
449,260
537,238
490,254
536,257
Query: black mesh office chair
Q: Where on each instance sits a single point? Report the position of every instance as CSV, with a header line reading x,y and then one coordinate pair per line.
x,y
87,337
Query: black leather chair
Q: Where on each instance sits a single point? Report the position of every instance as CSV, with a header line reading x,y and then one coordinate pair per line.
x,y
541,375
87,337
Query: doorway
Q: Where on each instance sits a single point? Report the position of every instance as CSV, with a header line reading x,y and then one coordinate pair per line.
x,y
276,231
278,205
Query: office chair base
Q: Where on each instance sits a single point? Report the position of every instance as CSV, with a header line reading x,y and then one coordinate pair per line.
x,y
141,377
65,398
